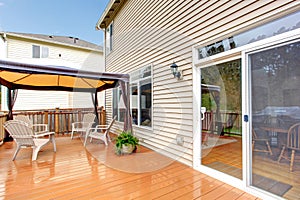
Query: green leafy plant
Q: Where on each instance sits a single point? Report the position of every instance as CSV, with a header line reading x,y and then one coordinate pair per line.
x,y
125,138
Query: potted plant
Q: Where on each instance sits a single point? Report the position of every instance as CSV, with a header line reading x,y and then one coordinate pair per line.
x,y
126,143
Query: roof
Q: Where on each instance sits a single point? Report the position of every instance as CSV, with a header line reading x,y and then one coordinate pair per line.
x,y
62,40
109,13
16,75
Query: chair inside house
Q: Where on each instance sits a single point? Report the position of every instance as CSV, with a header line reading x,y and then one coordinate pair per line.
x,y
228,125
292,145
260,138
37,128
273,122
100,132
83,126
23,135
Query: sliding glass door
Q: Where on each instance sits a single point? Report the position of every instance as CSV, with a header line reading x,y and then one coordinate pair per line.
x,y
275,107
221,143
250,109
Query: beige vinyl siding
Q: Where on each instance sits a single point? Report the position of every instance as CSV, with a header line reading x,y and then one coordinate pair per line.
x,y
28,99
85,59
18,49
160,32
31,99
84,100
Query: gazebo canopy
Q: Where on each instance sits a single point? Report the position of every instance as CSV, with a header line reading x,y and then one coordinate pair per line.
x,y
15,75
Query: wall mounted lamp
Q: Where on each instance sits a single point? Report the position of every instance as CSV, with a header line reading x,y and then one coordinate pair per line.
x,y
176,73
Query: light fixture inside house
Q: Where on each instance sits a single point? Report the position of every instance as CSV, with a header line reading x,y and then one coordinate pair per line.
x,y
175,72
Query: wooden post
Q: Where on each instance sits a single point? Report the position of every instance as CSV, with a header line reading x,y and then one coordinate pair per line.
x,y
103,117
46,117
79,117
56,120
2,130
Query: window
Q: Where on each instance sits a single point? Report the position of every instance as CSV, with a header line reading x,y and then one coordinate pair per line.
x,y
140,98
285,24
109,36
40,52
118,105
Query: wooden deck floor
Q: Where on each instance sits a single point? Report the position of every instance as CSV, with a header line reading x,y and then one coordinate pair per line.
x,y
228,159
76,172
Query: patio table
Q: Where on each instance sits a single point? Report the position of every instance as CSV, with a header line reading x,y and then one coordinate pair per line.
x,y
283,130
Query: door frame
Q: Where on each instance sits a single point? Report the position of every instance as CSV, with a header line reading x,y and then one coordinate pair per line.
x,y
242,53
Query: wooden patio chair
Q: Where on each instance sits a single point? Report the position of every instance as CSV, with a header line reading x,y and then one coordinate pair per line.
x,y
83,126
23,135
37,128
293,144
274,122
97,132
261,138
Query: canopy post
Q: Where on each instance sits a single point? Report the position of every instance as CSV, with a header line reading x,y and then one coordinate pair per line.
x,y
126,98
95,103
11,99
129,120
9,102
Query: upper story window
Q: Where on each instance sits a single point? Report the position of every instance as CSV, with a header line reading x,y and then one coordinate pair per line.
x,y
40,51
109,38
284,24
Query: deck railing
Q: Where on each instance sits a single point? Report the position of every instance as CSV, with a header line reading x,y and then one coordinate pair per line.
x,y
2,120
58,120
209,123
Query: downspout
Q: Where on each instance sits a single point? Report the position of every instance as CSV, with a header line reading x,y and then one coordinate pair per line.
x,y
3,35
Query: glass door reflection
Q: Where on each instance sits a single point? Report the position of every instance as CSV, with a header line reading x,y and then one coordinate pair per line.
x,y
221,117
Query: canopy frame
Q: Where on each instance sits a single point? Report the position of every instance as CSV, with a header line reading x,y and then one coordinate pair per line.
x,y
17,75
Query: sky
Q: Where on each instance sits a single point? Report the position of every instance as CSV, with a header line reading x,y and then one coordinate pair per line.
x,y
76,18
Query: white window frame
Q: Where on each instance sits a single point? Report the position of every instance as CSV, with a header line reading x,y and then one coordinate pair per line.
x,y
240,52
109,38
137,84
44,51
118,91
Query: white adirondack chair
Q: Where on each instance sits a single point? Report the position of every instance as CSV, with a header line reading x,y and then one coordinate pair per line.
x,y
84,125
23,135
97,132
37,128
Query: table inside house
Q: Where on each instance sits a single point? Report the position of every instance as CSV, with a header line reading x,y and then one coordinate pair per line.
x,y
282,131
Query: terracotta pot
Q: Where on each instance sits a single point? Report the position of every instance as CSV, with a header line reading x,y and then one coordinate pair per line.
x,y
127,149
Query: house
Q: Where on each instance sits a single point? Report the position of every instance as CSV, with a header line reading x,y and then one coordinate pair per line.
x,y
51,50
247,49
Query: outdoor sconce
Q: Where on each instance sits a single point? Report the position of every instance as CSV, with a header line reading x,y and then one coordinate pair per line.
x,y
174,69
